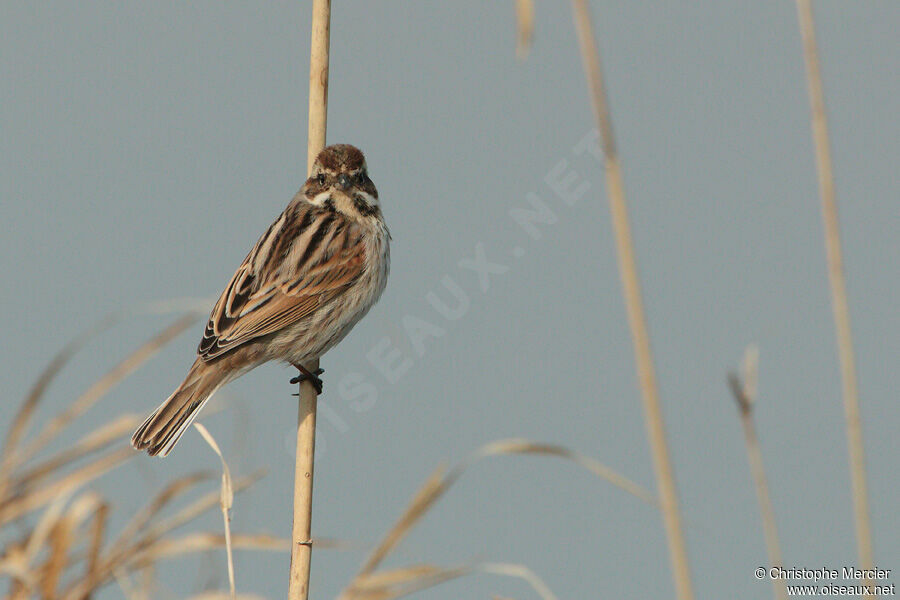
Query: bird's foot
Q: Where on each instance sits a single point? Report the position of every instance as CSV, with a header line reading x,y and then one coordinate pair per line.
x,y
312,377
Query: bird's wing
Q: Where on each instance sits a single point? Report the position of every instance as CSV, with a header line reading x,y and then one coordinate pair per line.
x,y
308,256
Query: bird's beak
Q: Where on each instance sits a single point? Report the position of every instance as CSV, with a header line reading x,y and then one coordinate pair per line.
x,y
344,181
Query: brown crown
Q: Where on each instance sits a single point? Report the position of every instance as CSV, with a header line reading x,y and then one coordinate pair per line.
x,y
341,158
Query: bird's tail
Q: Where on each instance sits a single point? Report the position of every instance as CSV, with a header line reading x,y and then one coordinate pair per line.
x,y
165,426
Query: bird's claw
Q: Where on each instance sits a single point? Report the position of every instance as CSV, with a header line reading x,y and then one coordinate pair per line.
x,y
313,378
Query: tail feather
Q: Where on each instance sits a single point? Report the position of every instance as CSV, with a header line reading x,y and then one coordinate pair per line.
x,y
165,426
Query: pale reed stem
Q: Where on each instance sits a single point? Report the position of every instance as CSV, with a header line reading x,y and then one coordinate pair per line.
x,y
745,395
632,291
838,286
301,547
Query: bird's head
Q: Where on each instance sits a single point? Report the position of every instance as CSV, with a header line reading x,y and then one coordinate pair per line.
x,y
340,181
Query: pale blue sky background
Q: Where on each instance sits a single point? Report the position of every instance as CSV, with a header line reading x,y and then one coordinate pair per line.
x,y
145,146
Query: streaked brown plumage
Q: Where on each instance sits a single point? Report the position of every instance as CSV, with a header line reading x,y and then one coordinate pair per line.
x,y
309,279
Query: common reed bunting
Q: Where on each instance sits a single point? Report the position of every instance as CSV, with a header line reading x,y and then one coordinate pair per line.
x,y
309,279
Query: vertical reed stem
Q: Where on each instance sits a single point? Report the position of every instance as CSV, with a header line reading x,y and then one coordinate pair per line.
x,y
632,292
745,396
838,285
301,548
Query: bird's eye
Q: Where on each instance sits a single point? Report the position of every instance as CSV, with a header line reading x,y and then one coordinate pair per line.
x,y
321,178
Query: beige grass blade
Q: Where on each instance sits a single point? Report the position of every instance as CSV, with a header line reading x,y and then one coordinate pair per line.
x,y
427,495
839,302
198,507
524,27
23,579
631,290
226,499
167,548
520,572
94,441
440,480
63,537
523,446
97,533
20,422
129,590
33,500
162,499
745,396
18,558
45,525
225,596
397,583
103,385
121,557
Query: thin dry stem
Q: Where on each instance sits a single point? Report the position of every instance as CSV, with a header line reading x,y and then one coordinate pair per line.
x,y
838,286
745,396
96,544
523,446
62,553
361,587
520,572
20,423
634,305
96,440
102,386
398,583
301,546
226,501
524,27
21,505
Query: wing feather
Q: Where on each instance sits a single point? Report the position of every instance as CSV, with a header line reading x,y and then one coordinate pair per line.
x,y
305,259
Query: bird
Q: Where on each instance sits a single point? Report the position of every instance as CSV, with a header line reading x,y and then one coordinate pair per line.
x,y
314,273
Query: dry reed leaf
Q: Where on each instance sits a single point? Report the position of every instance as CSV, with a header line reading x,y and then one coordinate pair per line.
x,y
225,596
523,446
130,591
198,542
102,386
197,508
96,440
55,531
23,416
520,572
524,27
44,526
397,583
438,483
226,500
161,500
24,503
26,409
96,545
634,305
23,577
394,577
126,554
52,569
427,495
148,581
750,370
71,531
